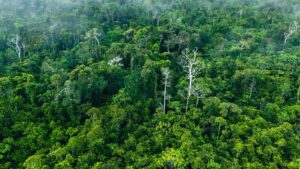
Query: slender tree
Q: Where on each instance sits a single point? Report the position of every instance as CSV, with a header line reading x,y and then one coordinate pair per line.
x,y
94,34
192,66
16,43
292,30
220,121
166,80
200,91
251,87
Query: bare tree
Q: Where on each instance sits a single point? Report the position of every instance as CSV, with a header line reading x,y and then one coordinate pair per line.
x,y
66,91
292,30
16,43
200,91
117,61
192,66
166,80
94,34
240,12
252,87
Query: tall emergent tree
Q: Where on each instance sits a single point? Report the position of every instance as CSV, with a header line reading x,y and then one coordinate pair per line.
x,y
17,44
166,81
192,65
292,30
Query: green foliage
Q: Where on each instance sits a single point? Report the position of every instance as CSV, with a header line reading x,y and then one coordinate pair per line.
x,y
88,91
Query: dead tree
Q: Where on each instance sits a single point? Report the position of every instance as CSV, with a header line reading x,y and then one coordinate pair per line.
x,y
94,34
292,30
16,43
166,80
192,66
200,91
252,87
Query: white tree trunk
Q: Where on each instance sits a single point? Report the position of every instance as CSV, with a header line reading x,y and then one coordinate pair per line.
x,y
165,96
166,77
292,30
189,88
197,101
251,88
218,132
19,47
192,67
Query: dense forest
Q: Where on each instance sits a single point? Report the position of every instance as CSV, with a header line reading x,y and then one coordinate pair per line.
x,y
166,84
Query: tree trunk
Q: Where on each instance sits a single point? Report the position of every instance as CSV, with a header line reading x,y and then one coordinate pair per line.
x,y
189,88
168,47
170,165
165,94
18,49
158,21
197,101
187,104
251,88
218,132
